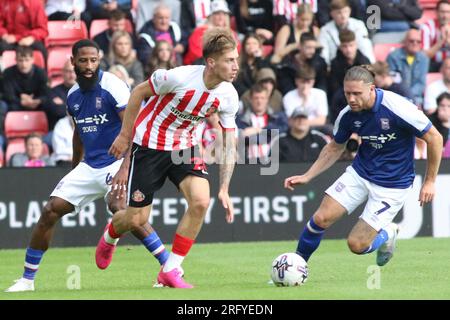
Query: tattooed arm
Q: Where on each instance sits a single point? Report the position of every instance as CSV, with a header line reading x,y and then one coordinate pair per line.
x,y
227,163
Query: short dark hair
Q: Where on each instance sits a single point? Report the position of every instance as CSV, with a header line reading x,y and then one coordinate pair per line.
x,y
338,4
346,36
306,72
23,51
117,15
307,36
441,3
381,68
256,88
442,96
84,43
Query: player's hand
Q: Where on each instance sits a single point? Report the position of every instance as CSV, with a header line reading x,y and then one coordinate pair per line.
x,y
224,197
119,147
426,193
290,182
119,184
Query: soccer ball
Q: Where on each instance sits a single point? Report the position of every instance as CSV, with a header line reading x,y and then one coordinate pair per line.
x,y
289,270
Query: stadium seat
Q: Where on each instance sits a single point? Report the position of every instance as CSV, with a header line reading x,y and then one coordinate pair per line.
x,y
267,50
18,146
9,59
18,124
65,33
100,25
56,59
382,50
428,4
433,76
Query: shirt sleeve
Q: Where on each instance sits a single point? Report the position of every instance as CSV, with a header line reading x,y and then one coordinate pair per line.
x,y
341,131
120,92
163,81
227,113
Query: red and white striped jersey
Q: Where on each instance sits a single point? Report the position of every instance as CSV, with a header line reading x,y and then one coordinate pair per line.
x,y
430,34
180,102
289,9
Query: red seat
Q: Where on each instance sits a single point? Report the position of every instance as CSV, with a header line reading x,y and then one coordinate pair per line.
x,y
428,4
56,59
433,76
18,124
9,59
18,146
100,25
65,33
382,50
267,50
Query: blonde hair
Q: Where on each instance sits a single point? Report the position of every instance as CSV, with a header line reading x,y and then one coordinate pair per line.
x,y
112,57
362,73
216,41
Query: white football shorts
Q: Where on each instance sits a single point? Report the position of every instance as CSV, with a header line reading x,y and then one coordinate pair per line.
x,y
85,184
383,204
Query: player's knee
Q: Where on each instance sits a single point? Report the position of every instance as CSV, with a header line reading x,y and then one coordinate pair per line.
x,y
138,221
199,206
49,215
356,245
116,205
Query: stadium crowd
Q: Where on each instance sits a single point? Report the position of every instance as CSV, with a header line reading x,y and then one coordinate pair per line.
x,y
293,58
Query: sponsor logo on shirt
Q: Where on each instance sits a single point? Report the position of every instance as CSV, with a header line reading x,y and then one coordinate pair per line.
x,y
96,119
377,142
184,115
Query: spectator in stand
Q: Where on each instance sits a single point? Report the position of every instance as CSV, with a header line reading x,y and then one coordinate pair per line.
x,y
102,9
23,23
436,36
437,87
116,22
194,13
121,52
285,11
56,106
251,60
385,81
65,9
323,12
255,16
397,15
265,77
258,118
306,98
146,9
411,64
329,33
33,157
121,73
300,143
219,17
3,111
348,55
307,56
441,117
160,28
288,38
25,85
62,142
162,57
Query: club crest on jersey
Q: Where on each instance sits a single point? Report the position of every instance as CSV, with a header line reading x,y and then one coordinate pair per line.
x,y
98,103
138,196
384,124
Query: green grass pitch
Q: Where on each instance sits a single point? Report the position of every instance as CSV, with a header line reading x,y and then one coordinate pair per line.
x,y
419,270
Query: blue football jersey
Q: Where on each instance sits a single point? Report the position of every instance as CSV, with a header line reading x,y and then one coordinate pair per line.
x,y
96,116
386,154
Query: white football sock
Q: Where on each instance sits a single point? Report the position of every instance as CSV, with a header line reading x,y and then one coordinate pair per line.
x,y
174,261
109,239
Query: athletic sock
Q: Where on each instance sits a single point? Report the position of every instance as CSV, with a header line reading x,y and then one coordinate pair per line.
x,y
180,248
381,238
110,235
32,259
309,239
155,246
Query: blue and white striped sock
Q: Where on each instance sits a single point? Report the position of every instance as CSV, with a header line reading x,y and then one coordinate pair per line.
x,y
309,239
153,244
381,238
32,259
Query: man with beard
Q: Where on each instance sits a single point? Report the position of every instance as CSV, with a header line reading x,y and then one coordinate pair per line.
x,y
96,103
